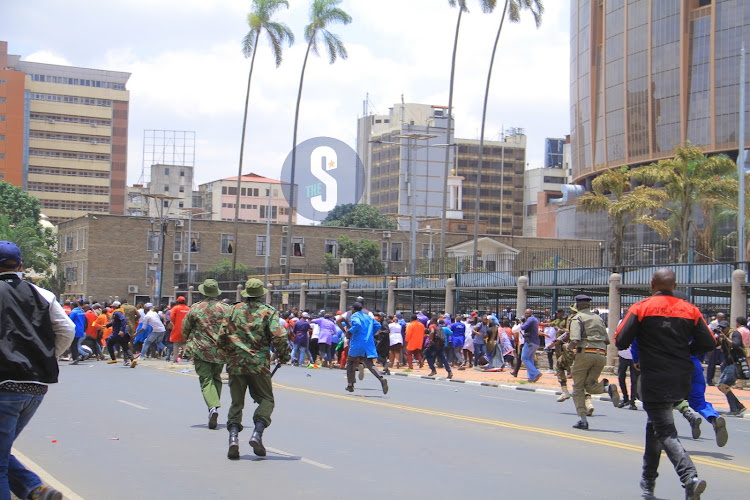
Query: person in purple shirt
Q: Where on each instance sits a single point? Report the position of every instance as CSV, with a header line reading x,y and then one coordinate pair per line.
x,y
327,329
301,334
530,332
423,318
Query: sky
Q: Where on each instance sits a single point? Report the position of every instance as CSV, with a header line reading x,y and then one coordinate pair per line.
x,y
189,73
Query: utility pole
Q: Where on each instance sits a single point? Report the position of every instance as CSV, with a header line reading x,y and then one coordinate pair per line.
x,y
741,164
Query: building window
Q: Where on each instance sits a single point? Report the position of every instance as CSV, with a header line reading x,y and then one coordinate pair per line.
x,y
384,250
427,252
181,204
227,243
182,173
260,245
397,252
283,246
298,247
178,241
332,247
182,189
176,275
152,244
83,239
166,171
195,242
165,204
78,239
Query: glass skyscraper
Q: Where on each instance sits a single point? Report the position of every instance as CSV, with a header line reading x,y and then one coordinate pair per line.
x,y
649,75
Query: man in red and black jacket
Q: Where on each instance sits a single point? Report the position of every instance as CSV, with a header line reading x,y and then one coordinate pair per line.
x,y
668,331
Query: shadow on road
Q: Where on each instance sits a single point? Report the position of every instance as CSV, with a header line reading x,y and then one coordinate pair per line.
x,y
275,456
205,426
712,454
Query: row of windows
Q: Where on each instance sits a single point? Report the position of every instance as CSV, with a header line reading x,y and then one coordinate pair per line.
x,y
232,191
68,172
67,188
94,122
67,137
67,154
73,241
77,81
184,241
84,206
71,99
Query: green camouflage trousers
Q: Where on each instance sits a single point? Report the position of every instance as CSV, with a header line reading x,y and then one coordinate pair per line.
x,y
564,363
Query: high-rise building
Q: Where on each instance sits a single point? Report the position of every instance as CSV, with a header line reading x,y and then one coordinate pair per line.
x,y
403,153
73,138
553,152
646,76
14,135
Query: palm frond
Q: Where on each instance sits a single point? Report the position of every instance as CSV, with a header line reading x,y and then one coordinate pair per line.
x,y
334,47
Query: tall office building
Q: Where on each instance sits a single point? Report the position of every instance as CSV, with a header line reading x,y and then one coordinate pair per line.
x,y
403,153
73,137
648,75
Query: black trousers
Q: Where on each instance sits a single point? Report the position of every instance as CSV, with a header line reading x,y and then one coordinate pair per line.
x,y
661,434
351,366
124,342
622,368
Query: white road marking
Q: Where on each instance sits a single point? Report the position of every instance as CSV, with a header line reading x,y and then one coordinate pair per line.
x,y
504,399
45,476
132,404
306,460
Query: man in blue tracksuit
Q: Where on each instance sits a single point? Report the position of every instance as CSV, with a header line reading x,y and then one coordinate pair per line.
x,y
120,335
362,347
79,319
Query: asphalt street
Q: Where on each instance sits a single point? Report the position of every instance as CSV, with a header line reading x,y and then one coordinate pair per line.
x,y
111,432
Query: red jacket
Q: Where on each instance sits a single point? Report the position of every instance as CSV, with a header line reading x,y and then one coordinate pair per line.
x,y
177,315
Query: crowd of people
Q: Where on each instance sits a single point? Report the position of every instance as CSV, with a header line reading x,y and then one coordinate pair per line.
x,y
663,342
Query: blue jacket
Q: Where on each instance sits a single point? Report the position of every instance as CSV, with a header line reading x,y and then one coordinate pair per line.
x,y
79,319
142,333
459,334
362,342
119,323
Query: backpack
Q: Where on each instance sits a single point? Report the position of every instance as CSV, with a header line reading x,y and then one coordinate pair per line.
x,y
439,339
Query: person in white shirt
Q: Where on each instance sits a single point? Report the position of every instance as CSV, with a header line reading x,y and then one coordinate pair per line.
x,y
151,319
396,341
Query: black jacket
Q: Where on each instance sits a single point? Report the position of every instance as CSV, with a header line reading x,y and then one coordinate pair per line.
x,y
668,330
32,334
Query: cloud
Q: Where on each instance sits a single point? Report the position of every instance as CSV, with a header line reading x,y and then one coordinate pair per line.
x,y
47,57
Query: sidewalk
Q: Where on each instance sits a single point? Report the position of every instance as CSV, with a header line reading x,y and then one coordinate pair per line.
x,y
548,384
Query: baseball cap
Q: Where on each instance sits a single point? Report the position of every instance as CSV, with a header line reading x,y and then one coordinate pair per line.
x,y
148,304
180,299
9,251
116,304
305,315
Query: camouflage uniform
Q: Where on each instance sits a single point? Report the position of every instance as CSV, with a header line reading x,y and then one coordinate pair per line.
x,y
564,356
247,332
200,329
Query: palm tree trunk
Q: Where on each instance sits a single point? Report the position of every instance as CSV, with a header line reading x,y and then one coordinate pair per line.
x,y
448,141
239,169
294,161
481,141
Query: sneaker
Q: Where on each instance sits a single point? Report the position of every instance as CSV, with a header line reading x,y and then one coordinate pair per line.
x,y
361,369
538,376
563,397
632,406
694,487
75,361
647,487
461,368
133,363
624,403
349,388
736,413
614,394
720,428
384,385
111,361
432,373
581,425
450,375
213,418
550,371
45,492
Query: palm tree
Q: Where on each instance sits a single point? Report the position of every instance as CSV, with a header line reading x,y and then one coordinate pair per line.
x,y
515,7
611,192
259,20
323,13
690,180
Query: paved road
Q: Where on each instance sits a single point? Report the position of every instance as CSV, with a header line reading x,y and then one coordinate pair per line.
x,y
110,432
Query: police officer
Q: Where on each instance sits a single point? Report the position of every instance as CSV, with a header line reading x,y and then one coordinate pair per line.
x,y
588,340
200,328
246,335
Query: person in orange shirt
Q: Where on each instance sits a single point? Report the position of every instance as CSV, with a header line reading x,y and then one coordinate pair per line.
x,y
415,333
176,316
91,331
104,317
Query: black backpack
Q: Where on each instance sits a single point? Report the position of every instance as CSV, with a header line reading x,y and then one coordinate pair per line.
x,y
439,336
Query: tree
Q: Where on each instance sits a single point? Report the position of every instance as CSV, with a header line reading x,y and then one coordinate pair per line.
x,y
515,7
55,283
339,212
331,264
729,211
223,271
259,21
364,253
612,193
690,179
322,14
365,216
35,243
17,204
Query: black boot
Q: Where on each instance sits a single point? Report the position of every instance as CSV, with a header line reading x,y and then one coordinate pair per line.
x,y
256,441
234,442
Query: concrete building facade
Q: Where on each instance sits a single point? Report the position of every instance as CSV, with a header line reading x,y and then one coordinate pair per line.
x,y
77,123
219,197
646,76
106,256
